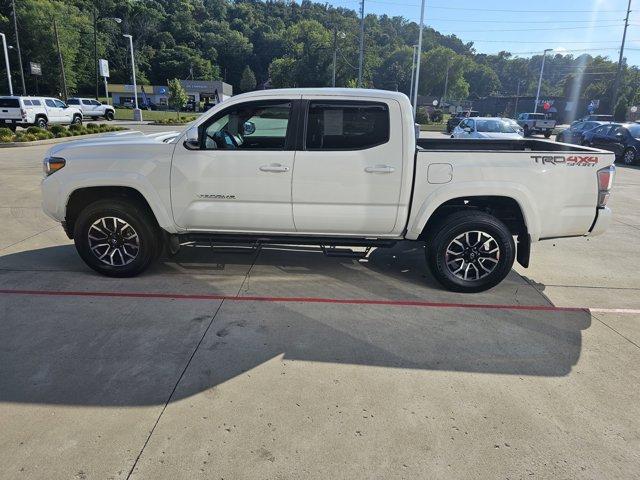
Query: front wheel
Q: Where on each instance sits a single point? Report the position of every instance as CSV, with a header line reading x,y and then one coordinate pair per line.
x,y
41,122
629,156
525,131
547,134
470,251
77,120
108,116
116,238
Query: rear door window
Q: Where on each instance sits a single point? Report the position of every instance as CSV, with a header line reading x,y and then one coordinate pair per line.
x,y
346,125
86,102
49,103
9,103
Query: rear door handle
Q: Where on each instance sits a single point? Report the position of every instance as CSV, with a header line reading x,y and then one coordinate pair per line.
x,y
380,169
274,167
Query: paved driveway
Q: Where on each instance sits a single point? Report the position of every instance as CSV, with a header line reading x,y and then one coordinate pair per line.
x,y
284,363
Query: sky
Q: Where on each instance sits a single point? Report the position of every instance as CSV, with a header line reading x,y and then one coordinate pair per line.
x,y
525,28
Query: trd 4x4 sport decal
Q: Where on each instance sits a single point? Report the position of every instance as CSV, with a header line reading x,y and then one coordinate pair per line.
x,y
571,160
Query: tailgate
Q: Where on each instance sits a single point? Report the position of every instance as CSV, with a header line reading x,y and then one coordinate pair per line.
x,y
545,123
10,114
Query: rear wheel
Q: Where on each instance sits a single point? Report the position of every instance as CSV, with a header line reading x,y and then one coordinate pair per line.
x,y
41,122
108,115
77,120
629,156
525,131
116,237
470,251
547,134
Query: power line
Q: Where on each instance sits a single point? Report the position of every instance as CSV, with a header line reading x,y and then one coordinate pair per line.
x,y
504,10
546,29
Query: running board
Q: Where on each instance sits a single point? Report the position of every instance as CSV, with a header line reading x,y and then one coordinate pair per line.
x,y
210,239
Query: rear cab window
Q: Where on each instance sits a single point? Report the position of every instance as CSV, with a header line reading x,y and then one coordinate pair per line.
x,y
9,103
346,125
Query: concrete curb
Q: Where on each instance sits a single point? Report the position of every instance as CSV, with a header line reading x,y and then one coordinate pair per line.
x,y
52,141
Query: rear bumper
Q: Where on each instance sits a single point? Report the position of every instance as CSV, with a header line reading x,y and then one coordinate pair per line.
x,y
601,222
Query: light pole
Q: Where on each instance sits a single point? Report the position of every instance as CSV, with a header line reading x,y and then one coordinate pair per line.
x,y
413,72
336,35
417,82
515,109
137,113
95,44
544,56
6,61
15,29
361,58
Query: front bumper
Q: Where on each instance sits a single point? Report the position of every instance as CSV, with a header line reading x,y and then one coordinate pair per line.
x,y
602,221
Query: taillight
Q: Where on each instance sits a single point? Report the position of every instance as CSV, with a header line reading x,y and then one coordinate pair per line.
x,y
23,112
605,182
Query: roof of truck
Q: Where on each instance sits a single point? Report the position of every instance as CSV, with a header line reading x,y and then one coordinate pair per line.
x,y
341,92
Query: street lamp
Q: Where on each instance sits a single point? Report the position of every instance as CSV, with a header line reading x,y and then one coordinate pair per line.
x,y
6,61
95,43
137,113
413,71
336,35
417,82
544,56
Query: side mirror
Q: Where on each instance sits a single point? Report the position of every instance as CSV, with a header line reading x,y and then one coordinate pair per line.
x,y
619,135
249,128
192,139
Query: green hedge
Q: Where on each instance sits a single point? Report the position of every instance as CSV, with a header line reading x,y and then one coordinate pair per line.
x,y
34,133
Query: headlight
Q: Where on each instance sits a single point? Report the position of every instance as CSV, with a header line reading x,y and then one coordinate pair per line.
x,y
52,164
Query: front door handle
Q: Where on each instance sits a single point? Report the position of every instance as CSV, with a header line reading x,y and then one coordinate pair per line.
x,y
274,167
380,169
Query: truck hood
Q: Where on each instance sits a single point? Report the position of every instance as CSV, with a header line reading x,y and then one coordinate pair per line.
x,y
116,139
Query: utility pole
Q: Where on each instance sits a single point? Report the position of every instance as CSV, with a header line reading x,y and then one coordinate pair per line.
x,y
446,83
616,83
137,113
515,109
95,47
6,61
544,56
413,70
361,59
15,29
417,82
64,77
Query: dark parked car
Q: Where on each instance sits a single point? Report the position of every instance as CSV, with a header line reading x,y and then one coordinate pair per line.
x,y
623,139
575,132
594,118
455,120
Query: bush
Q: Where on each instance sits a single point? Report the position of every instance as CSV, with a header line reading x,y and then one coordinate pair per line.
x,y
25,137
76,127
421,116
35,130
44,135
57,129
6,132
436,116
93,126
6,138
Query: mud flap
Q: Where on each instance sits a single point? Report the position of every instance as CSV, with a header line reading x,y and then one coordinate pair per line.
x,y
524,249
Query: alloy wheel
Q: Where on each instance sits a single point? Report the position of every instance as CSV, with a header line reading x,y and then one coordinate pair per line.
x,y
472,255
113,241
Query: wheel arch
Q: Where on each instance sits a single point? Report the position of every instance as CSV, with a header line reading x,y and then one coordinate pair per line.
x,y
81,197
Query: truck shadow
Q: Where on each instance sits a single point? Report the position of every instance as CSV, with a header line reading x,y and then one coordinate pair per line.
x,y
116,351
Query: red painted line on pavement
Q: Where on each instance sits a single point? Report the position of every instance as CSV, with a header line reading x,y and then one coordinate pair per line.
x,y
345,301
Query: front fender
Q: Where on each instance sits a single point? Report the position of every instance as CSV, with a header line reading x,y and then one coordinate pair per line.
x,y
448,192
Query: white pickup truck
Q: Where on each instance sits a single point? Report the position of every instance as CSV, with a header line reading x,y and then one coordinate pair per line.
x,y
536,123
329,167
38,111
93,109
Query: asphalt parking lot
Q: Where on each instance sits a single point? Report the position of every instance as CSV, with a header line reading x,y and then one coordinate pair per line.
x,y
285,364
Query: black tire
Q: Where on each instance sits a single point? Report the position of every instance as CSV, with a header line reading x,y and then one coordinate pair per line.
x,y
41,122
525,131
139,220
548,133
94,118
77,120
108,115
629,156
559,138
456,225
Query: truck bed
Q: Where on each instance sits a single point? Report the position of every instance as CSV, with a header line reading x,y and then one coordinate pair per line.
x,y
524,145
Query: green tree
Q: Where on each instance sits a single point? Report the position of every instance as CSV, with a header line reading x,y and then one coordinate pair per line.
x,y
248,80
177,95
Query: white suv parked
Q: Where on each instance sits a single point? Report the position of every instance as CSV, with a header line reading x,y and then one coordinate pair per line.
x,y
40,111
93,108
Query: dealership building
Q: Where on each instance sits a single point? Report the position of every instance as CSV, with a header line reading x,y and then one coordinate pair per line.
x,y
198,91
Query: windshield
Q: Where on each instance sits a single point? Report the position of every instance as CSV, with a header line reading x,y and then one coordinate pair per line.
x,y
634,130
494,126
